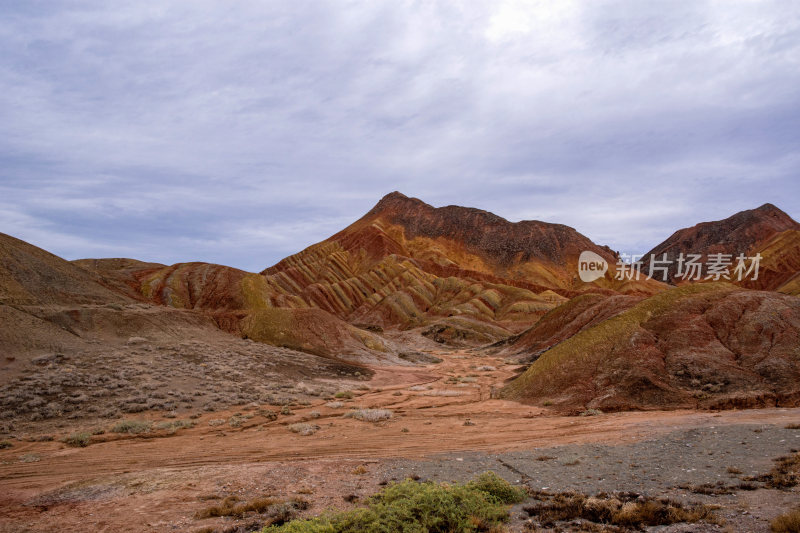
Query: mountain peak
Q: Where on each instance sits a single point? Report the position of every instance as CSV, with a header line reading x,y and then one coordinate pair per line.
x,y
396,200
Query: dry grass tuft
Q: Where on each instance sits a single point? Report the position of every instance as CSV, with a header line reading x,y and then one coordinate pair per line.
x,y
786,523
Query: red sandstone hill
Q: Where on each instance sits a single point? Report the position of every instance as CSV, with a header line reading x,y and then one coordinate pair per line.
x,y
746,232
406,261
464,272
702,345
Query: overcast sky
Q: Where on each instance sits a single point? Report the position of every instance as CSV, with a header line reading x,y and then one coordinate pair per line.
x,y
241,132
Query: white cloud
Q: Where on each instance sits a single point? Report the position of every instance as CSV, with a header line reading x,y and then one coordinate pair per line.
x,y
197,131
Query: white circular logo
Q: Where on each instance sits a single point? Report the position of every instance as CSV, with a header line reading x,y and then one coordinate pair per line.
x,y
591,266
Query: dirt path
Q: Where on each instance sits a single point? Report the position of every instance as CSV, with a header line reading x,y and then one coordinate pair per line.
x,y
123,484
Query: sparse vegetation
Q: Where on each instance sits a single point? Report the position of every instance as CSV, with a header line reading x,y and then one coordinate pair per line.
x,y
77,440
335,405
344,395
624,509
792,426
174,425
370,415
133,427
477,506
710,489
785,474
5,444
279,511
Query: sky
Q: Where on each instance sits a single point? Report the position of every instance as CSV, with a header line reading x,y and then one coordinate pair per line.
x,y
241,132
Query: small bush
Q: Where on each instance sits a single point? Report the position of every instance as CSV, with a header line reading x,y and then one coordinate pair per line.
x,y
5,444
344,395
268,414
591,412
335,405
786,523
304,429
133,427
77,440
792,426
370,415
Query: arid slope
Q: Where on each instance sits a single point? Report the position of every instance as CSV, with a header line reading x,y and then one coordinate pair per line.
x,y
703,345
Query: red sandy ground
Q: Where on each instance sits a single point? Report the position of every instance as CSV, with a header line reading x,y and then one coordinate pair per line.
x,y
157,484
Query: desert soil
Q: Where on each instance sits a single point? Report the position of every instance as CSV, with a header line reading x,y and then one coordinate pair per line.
x,y
445,426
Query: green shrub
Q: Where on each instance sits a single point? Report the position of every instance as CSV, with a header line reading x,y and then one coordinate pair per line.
x,y
497,487
77,440
419,508
344,394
